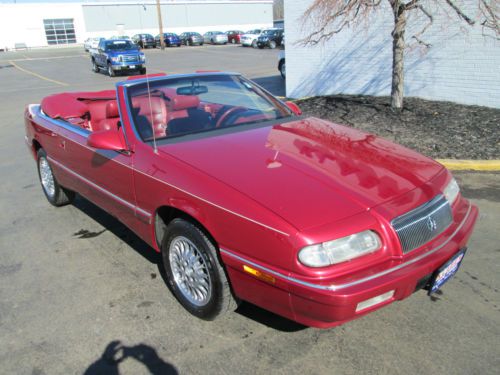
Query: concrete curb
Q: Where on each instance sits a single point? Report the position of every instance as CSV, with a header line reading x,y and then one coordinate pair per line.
x,y
471,165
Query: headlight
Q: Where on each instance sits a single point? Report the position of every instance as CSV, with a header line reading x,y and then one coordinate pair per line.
x,y
142,57
340,250
451,191
116,58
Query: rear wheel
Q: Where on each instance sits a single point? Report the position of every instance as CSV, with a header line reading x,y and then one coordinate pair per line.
x,y
55,193
254,44
194,273
111,72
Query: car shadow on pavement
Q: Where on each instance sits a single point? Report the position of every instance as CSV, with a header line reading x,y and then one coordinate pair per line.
x,y
115,353
114,226
268,319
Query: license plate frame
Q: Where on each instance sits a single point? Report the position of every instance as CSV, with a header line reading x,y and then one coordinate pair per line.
x,y
444,273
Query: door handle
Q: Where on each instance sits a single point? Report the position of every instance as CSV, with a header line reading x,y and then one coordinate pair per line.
x,y
62,144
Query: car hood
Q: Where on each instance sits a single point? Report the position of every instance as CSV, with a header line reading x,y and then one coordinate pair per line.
x,y
310,172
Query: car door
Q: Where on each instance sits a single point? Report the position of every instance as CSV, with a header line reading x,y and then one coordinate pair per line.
x,y
106,174
100,59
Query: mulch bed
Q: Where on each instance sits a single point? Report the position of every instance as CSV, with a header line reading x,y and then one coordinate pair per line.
x,y
437,129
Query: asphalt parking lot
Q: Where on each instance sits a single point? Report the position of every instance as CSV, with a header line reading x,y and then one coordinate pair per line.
x,y
79,293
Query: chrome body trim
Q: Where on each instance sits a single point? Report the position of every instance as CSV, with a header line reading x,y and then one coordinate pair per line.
x,y
336,287
101,189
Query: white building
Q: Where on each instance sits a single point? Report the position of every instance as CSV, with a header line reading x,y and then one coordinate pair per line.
x,y
462,65
43,24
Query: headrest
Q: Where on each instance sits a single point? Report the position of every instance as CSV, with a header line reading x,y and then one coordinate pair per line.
x,y
181,102
112,109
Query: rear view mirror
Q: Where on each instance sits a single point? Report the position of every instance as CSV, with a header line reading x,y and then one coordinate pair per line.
x,y
294,108
192,90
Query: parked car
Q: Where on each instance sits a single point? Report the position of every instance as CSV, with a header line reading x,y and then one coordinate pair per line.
x,y
234,36
91,43
144,40
190,38
120,37
250,38
271,38
215,37
118,55
281,64
170,39
326,224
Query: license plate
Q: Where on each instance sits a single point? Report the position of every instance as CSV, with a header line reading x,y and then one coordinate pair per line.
x,y
131,66
446,271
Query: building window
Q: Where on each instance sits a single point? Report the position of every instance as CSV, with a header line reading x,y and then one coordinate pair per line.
x,y
60,31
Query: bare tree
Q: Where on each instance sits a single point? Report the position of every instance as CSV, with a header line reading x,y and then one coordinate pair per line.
x,y
330,17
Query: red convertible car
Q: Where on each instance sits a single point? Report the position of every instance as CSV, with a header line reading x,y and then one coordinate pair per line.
x,y
246,199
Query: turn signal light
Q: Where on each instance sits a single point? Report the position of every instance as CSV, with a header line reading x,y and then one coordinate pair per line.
x,y
259,274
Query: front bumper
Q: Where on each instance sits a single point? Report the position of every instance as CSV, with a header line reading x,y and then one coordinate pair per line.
x,y
127,66
327,303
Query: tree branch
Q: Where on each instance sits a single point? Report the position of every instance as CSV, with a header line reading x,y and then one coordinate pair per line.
x,y
459,12
431,20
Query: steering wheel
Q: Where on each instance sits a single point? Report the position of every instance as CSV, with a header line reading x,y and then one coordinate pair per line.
x,y
226,115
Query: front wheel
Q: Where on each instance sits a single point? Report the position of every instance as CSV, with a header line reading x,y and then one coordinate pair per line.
x,y
111,72
55,193
95,67
142,71
254,44
233,41
194,273
272,44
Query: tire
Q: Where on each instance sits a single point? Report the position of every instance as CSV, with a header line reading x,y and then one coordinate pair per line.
x,y
189,43
185,247
272,44
55,193
254,43
111,72
95,67
142,71
282,69
261,46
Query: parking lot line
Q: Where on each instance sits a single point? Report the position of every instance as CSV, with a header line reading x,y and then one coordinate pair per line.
x,y
36,74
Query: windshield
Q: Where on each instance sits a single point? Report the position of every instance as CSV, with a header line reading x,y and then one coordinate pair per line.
x,y
268,32
119,45
200,103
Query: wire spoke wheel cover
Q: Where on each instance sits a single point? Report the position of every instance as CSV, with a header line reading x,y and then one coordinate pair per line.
x,y
190,271
46,177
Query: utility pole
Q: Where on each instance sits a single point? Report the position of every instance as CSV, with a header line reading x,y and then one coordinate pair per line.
x,y
160,24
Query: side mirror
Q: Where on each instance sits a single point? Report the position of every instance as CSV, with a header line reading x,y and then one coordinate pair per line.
x,y
100,50
294,108
107,140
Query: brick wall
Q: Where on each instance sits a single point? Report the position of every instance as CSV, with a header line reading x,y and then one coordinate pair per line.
x,y
462,64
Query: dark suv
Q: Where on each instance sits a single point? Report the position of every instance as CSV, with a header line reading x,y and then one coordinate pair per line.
x,y
144,40
270,38
190,38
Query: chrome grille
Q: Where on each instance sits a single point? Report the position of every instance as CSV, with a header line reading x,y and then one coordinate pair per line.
x,y
423,224
129,58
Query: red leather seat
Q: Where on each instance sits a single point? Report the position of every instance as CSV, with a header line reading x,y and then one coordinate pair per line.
x,y
154,114
111,119
185,116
